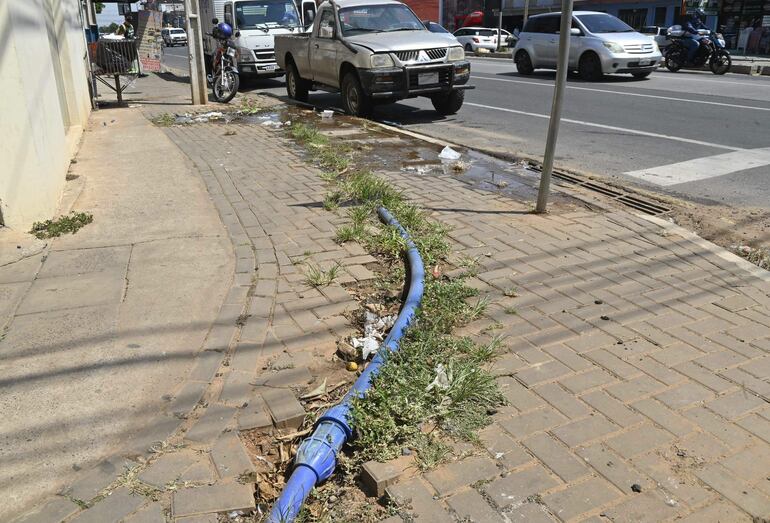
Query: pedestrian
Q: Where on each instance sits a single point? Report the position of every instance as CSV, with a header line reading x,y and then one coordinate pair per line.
x,y
126,30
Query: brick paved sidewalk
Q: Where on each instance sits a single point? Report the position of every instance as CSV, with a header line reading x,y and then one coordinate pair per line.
x,y
636,355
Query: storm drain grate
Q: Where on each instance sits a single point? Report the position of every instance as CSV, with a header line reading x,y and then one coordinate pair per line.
x,y
628,199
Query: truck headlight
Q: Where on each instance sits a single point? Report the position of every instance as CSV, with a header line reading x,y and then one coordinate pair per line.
x,y
456,53
382,60
613,47
246,55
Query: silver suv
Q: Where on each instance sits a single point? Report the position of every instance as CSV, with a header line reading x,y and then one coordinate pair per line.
x,y
600,43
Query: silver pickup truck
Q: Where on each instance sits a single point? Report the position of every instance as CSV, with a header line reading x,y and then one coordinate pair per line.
x,y
374,51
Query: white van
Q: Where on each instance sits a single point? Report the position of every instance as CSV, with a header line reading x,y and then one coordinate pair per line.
x,y
257,21
600,44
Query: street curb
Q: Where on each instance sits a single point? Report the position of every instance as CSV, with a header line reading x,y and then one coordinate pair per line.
x,y
709,246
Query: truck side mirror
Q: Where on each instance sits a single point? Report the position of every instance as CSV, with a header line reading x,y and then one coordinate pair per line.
x,y
309,16
574,31
215,21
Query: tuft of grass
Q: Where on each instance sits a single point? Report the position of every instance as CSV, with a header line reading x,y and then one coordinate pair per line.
x,y
510,310
307,134
249,106
71,223
511,292
331,201
349,233
164,120
318,277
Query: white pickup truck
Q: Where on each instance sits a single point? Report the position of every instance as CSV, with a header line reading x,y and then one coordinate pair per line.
x,y
258,21
374,51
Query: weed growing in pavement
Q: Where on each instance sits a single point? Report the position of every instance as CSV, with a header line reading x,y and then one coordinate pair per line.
x,y
318,277
756,255
164,120
510,310
511,292
250,106
71,223
403,409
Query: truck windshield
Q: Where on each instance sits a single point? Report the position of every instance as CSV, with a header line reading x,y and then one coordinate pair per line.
x,y
601,23
266,14
378,19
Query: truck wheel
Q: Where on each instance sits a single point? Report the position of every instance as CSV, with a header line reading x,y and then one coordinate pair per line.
x,y
448,103
354,99
296,87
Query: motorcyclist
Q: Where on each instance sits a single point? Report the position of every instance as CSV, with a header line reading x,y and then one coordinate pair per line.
x,y
691,38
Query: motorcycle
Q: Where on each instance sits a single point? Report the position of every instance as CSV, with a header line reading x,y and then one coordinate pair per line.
x,y
224,78
711,51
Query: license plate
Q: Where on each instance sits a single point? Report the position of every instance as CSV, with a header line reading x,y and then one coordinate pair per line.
x,y
644,62
271,67
427,78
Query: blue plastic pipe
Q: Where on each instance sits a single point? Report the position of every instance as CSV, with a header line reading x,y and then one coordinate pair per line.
x,y
317,455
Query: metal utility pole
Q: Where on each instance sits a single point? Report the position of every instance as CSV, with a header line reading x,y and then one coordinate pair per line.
x,y
195,47
558,96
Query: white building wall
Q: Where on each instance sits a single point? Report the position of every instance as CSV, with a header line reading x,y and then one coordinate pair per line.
x,y
44,104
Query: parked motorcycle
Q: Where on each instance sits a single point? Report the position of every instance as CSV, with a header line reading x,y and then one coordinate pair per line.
x,y
224,78
711,51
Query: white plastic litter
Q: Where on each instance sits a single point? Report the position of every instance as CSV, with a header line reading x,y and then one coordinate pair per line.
x,y
374,328
442,379
205,117
327,114
447,153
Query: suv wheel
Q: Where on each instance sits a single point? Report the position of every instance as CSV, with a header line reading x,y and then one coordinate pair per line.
x,y
468,48
354,99
640,76
524,63
590,67
448,103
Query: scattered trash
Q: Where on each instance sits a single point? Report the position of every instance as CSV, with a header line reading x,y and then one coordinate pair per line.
x,y
374,327
327,114
636,487
205,117
598,302
605,318
352,366
273,123
419,169
671,502
406,451
442,379
447,153
347,351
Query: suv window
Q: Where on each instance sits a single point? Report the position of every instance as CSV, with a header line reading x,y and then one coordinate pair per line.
x,y
549,24
461,32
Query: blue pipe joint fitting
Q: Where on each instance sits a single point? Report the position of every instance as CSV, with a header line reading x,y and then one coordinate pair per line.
x,y
319,451
339,415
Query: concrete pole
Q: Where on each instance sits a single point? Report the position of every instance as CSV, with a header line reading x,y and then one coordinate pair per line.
x,y
526,13
195,47
499,28
558,97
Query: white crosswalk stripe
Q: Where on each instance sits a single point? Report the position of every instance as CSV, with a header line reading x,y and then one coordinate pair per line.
x,y
703,168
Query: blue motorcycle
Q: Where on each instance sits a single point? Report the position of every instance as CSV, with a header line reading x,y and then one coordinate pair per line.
x,y
711,51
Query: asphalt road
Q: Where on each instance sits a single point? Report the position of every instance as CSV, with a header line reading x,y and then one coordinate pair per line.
x,y
690,134
177,58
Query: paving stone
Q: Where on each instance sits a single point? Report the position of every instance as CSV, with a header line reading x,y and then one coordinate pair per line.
x,y
748,382
471,506
447,478
152,513
199,472
79,290
518,486
613,467
285,410
704,377
564,401
612,363
593,378
736,490
420,501
614,410
568,357
220,497
657,370
207,364
530,512
751,464
168,467
518,395
255,415
528,423
111,509
720,360
728,433
582,431
666,418
237,388
720,512
503,448
211,424
556,457
541,373
649,506
507,364
99,477
230,457
285,378
736,404
581,498
666,472
377,476
590,342
684,395
187,398
757,425
55,509
639,440
676,354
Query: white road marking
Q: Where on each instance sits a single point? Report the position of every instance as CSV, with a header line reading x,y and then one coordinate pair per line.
x,y
621,93
703,168
611,128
